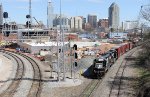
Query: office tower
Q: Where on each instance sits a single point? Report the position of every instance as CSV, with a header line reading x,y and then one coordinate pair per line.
x,y
65,22
84,20
92,20
114,16
103,23
83,23
1,14
50,14
76,23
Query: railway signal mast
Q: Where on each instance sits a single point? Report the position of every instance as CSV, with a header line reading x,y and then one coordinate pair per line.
x,y
60,50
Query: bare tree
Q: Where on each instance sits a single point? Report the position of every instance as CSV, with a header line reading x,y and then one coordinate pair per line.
x,y
145,12
145,53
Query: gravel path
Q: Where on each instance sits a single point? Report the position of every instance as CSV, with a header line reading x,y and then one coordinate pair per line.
x,y
7,72
129,79
5,65
26,82
72,91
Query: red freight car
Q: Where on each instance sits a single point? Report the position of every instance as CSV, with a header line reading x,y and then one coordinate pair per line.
x,y
128,47
131,45
118,49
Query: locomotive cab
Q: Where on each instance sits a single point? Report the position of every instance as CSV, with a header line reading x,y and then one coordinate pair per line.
x,y
99,66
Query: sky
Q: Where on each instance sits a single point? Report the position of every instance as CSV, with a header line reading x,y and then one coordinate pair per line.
x,y
18,9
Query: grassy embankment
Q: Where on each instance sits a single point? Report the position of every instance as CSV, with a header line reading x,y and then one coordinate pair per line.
x,y
143,63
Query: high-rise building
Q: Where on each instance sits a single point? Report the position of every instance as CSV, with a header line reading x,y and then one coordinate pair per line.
x,y
50,14
103,23
92,19
83,23
84,20
65,22
114,16
76,23
1,14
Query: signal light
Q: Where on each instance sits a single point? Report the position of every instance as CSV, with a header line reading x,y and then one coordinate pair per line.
x,y
6,33
75,47
59,50
6,25
5,15
75,64
1,27
27,16
76,55
28,24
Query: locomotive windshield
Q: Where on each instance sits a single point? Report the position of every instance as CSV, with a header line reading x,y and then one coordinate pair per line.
x,y
99,64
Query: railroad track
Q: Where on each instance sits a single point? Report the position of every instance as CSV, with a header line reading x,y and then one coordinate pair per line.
x,y
95,83
36,86
90,88
118,78
10,91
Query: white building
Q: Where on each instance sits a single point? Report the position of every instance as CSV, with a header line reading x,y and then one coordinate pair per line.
x,y
127,25
118,35
76,23
35,48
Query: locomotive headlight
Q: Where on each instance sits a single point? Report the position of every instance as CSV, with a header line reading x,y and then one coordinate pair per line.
x,y
99,66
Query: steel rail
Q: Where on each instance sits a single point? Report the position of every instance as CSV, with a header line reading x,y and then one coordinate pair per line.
x,y
12,88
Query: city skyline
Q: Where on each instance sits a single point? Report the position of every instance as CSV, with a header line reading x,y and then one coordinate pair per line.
x,y
18,9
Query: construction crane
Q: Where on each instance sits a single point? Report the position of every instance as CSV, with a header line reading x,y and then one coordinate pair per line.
x,y
36,21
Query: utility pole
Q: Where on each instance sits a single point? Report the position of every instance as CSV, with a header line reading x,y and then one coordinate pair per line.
x,y
30,12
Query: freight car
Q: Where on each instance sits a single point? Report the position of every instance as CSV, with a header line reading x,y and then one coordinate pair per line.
x,y
102,64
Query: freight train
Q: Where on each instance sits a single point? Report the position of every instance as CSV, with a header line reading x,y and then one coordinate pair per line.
x,y
102,64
